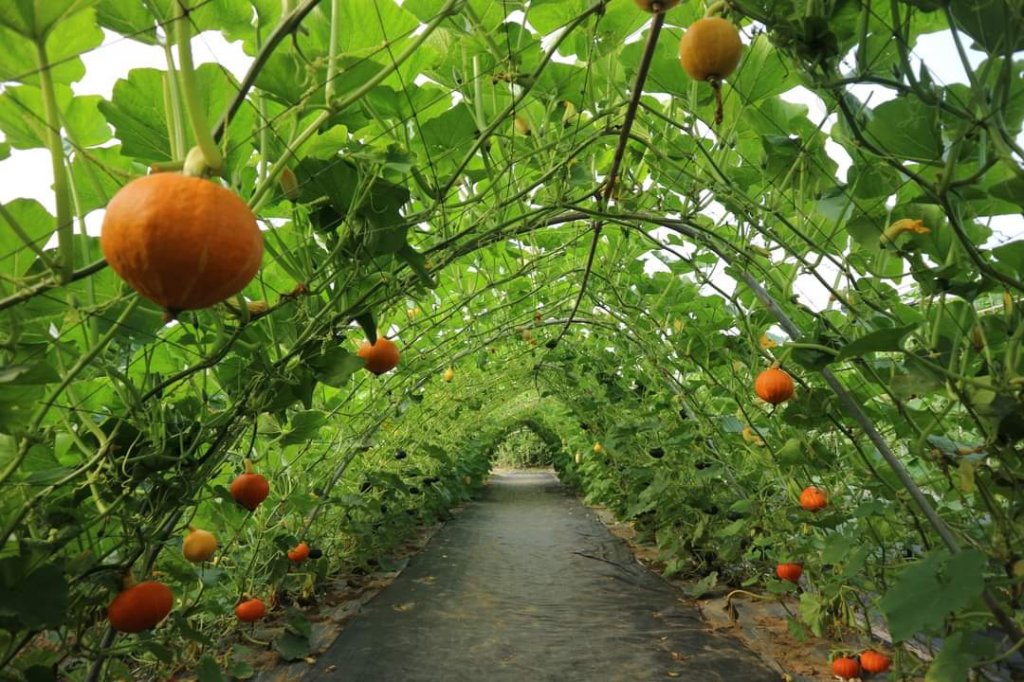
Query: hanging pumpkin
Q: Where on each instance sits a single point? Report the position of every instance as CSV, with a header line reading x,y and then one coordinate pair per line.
x,y
182,242
813,499
249,489
199,545
140,606
379,357
774,386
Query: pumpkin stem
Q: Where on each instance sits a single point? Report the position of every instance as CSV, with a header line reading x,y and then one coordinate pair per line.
x,y
190,88
716,85
128,580
716,8
248,466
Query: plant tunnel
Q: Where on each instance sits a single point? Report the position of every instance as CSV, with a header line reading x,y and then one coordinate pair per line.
x,y
282,281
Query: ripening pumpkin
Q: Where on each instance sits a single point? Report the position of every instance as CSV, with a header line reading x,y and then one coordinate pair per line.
x,y
380,357
790,572
199,545
249,489
774,386
299,553
874,662
182,242
846,668
598,448
655,6
140,607
449,374
710,49
813,499
250,610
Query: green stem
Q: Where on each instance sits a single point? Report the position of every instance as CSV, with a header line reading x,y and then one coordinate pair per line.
x,y
65,226
332,55
200,128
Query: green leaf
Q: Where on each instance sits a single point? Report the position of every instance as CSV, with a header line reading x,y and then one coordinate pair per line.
x,y
928,590
208,670
878,341
292,646
906,128
369,325
335,366
74,32
37,599
997,26
303,426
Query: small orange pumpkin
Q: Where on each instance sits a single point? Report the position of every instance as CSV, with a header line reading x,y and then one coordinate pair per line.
x,y
790,572
813,499
251,610
873,662
655,6
299,553
710,49
379,357
846,668
774,386
140,607
182,242
250,488
199,545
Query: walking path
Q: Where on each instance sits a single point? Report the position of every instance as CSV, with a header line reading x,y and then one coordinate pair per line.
x,y
528,585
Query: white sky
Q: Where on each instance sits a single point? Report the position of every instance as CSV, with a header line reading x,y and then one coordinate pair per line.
x,y
27,173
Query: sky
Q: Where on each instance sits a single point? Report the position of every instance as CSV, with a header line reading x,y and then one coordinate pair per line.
x,y
27,173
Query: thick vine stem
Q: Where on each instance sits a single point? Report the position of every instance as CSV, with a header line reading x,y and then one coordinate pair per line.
x,y
200,128
613,174
61,190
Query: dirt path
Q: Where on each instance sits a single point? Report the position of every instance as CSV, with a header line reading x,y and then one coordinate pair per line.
x,y
528,585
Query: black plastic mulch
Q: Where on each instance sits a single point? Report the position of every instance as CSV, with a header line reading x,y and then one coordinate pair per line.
x,y
527,584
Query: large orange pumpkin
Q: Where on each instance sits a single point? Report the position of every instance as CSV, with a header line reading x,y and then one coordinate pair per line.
x,y
710,49
774,386
182,242
140,607
380,357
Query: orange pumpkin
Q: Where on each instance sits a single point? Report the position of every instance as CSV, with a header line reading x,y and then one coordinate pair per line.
x,y
199,545
655,6
250,610
846,668
873,662
182,242
140,607
250,488
380,357
710,49
774,386
790,572
812,499
299,553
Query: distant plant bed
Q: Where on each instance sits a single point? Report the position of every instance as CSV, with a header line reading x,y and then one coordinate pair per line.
x,y
522,449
